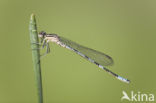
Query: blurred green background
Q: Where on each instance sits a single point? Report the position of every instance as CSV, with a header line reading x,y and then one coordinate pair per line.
x,y
122,29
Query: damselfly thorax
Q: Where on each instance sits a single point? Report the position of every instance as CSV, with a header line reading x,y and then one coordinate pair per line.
x,y
51,38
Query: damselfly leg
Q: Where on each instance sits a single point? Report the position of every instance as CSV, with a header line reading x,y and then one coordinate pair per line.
x,y
43,44
46,44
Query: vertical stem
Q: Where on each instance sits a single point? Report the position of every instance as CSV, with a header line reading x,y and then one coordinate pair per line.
x,y
36,57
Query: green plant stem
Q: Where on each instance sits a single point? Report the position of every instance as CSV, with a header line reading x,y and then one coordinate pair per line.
x,y
36,56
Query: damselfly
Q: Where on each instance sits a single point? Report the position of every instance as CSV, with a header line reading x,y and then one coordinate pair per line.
x,y
96,57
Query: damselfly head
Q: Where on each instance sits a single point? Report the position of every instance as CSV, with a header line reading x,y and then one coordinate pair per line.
x,y
42,34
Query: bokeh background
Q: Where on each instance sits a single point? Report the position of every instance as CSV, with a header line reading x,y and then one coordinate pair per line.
x,y
125,30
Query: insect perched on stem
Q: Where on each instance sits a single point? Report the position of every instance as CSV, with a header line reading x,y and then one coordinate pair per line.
x,y
96,57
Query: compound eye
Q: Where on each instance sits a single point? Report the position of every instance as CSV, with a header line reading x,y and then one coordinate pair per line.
x,y
42,34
